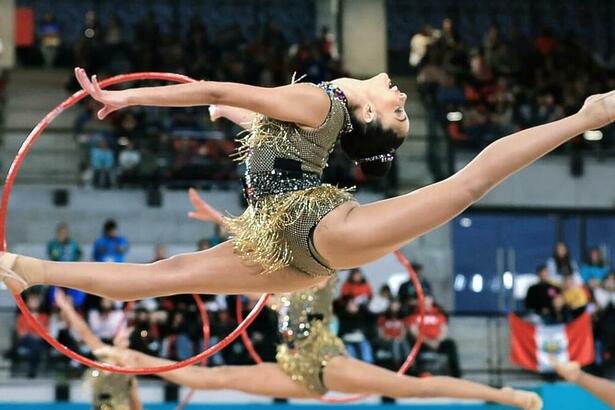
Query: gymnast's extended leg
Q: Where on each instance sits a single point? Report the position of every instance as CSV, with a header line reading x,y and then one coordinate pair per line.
x,y
347,375
216,270
353,235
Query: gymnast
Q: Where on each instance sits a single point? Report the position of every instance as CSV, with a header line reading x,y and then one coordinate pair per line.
x,y
601,388
296,231
109,390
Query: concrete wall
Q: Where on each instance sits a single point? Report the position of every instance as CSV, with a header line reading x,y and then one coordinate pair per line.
x,y
548,183
7,33
364,36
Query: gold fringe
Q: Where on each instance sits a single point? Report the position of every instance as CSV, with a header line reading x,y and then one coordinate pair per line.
x,y
303,362
258,234
265,131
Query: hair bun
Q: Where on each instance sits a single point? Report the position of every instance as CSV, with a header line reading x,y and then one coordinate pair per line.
x,y
375,168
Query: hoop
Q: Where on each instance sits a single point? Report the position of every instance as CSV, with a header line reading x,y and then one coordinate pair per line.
x,y
8,186
404,367
206,336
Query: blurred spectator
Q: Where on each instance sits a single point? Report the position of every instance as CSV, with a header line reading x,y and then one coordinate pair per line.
x,y
539,297
562,313
220,235
110,247
435,332
392,333
407,292
594,269
561,264
357,287
128,163
419,44
106,321
381,301
203,244
177,344
574,295
160,253
355,323
102,162
63,248
605,293
604,324
146,336
49,39
29,344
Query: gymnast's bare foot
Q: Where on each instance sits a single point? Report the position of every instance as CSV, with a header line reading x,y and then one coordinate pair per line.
x,y
14,277
599,109
524,399
569,371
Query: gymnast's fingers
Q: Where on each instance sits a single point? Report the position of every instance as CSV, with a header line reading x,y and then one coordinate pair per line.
x,y
195,199
104,111
95,85
83,80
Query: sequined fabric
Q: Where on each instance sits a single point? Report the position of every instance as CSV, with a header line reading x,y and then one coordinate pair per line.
x,y
274,231
110,391
282,183
305,318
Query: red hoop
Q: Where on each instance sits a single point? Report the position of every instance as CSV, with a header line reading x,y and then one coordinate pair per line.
x,y
8,186
206,336
404,367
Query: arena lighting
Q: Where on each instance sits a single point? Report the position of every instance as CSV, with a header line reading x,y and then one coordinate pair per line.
x,y
460,282
465,222
508,279
592,135
454,116
477,283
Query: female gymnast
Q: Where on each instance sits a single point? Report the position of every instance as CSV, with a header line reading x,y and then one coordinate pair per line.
x,y
110,391
601,388
312,361
297,231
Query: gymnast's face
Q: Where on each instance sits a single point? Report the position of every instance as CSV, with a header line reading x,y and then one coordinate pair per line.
x,y
386,104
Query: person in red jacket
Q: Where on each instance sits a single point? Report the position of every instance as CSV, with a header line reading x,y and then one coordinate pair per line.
x,y
435,331
29,343
357,287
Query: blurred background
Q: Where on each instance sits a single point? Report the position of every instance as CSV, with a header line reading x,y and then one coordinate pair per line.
x,y
540,246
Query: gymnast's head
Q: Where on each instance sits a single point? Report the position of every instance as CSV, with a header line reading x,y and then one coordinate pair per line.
x,y
379,120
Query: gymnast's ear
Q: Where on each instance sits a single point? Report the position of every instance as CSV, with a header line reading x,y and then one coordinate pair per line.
x,y
367,113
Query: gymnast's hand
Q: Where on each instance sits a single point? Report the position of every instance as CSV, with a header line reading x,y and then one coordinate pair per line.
x,y
202,210
63,301
111,100
117,355
569,371
215,113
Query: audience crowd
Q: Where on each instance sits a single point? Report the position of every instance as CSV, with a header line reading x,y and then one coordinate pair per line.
x,y
564,290
377,327
509,82
146,147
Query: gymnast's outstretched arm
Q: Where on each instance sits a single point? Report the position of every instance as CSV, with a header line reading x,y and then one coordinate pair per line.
x,y
301,104
601,388
76,322
238,116
266,379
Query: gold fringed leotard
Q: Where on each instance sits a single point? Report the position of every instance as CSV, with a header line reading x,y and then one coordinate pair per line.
x,y
305,318
282,184
110,391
